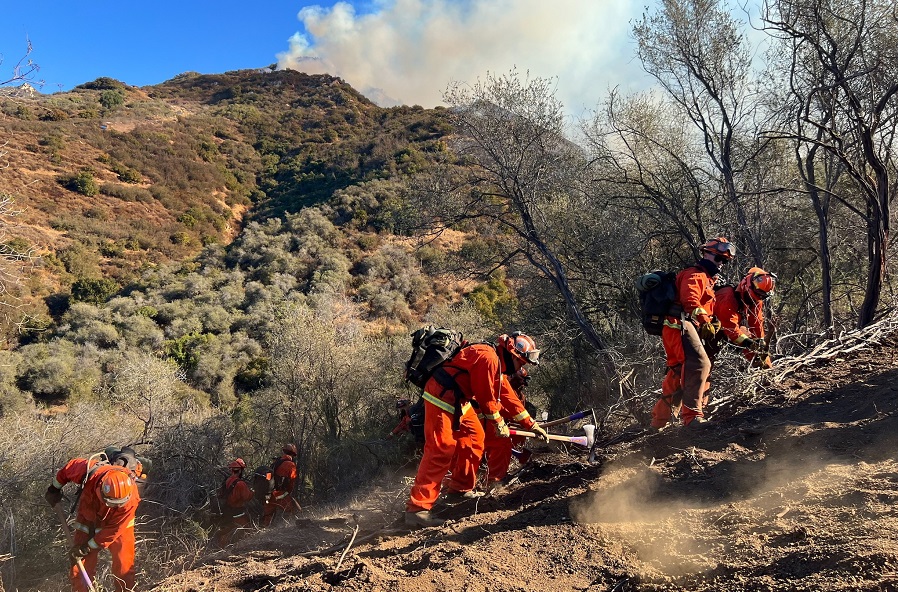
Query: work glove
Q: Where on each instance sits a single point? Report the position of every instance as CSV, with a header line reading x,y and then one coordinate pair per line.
x,y
708,331
53,495
78,552
502,429
541,434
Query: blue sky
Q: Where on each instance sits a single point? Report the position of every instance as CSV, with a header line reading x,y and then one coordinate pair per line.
x,y
394,51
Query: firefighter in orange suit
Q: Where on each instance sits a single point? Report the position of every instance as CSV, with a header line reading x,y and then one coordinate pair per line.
x,y
741,313
105,519
498,450
405,420
453,436
518,383
284,475
236,495
688,337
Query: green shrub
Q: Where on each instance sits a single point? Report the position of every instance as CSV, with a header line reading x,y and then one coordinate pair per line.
x,y
126,193
55,115
83,183
110,99
93,291
24,113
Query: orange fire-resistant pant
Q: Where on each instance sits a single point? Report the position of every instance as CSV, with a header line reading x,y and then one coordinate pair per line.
x,y
685,385
233,524
498,452
445,449
279,502
122,551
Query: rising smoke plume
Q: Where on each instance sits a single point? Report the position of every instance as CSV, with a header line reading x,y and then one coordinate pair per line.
x,y
408,51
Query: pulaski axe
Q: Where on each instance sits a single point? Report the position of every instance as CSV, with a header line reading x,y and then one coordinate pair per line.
x,y
585,441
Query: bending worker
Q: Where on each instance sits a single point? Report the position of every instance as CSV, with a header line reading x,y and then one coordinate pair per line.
x,y
107,505
454,437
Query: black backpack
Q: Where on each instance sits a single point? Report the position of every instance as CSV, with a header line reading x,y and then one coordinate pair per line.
x,y
265,481
657,292
431,347
416,421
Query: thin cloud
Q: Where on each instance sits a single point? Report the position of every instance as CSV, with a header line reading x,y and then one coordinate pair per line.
x,y
408,51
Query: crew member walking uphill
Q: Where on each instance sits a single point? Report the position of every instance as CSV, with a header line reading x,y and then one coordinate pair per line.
x,y
741,313
453,436
235,495
105,519
284,475
688,337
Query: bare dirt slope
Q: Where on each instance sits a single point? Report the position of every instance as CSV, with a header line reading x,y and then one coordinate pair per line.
x,y
796,493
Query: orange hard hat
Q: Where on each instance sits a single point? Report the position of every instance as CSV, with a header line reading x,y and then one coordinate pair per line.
x,y
116,487
237,463
720,247
521,346
757,284
289,449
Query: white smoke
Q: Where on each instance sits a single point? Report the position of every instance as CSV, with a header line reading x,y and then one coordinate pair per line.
x,y
408,51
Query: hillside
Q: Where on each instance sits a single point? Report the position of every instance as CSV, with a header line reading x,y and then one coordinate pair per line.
x,y
793,488
109,180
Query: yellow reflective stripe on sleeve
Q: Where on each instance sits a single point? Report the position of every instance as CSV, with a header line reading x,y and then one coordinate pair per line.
x,y
448,408
57,484
93,544
521,416
742,338
676,326
82,527
699,311
130,524
481,416
492,416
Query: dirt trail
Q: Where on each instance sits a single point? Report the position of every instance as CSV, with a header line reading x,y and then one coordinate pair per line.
x,y
798,494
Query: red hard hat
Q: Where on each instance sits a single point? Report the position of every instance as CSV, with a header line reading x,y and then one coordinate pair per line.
x,y
757,284
719,246
289,449
237,463
521,346
115,487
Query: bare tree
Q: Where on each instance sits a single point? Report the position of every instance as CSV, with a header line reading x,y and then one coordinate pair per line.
x,y
696,51
842,75
517,163
23,71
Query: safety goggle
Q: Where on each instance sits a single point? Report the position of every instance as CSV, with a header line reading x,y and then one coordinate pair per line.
x,y
531,356
116,502
723,248
761,294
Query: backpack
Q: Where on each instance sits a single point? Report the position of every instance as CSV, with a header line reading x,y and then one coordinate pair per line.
x,y
431,347
416,421
657,292
265,481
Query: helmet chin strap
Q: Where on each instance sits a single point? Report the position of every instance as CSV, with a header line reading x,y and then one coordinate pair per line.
x,y
508,362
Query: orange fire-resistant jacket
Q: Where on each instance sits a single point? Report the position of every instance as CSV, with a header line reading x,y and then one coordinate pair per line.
x,y
93,514
511,406
740,320
284,477
403,425
476,372
695,293
239,493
